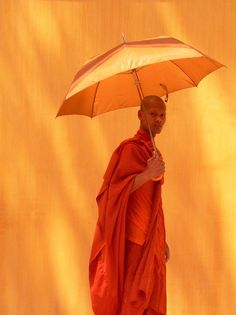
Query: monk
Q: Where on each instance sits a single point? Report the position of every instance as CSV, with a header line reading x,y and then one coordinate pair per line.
x,y
127,269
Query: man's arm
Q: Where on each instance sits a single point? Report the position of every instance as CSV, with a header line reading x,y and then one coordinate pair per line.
x,y
155,169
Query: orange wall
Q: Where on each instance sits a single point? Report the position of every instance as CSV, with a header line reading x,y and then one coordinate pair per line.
x,y
51,169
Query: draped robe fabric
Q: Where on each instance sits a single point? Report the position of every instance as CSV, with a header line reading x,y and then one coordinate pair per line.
x,y
147,288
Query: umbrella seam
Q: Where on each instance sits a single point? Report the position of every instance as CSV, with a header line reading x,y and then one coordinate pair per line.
x,y
184,72
103,57
93,63
95,94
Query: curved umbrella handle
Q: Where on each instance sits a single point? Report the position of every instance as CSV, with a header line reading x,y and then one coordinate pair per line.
x,y
166,90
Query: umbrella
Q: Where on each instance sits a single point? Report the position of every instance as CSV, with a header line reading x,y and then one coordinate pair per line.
x,y
121,76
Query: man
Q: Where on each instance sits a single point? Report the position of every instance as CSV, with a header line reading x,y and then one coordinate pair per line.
x,y
127,264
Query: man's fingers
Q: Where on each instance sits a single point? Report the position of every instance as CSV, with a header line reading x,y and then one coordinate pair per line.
x,y
152,158
156,159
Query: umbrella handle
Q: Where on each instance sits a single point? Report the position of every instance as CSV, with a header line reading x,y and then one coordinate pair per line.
x,y
165,88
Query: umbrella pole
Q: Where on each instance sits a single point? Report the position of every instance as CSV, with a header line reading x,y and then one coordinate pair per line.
x,y
141,96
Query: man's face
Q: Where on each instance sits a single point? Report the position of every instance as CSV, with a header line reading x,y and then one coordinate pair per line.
x,y
155,116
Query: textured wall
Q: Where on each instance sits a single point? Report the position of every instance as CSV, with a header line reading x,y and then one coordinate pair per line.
x,y
51,169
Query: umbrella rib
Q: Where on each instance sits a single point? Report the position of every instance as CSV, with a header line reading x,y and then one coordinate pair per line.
x,y
95,94
184,72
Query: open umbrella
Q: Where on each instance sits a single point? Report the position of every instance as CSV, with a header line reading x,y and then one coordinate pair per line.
x,y
121,76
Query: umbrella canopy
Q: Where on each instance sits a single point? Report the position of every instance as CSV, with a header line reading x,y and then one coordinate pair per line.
x,y
124,74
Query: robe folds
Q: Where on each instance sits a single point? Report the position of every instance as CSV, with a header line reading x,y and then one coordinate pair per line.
x,y
107,261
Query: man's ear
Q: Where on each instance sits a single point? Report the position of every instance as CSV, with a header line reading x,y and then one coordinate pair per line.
x,y
140,114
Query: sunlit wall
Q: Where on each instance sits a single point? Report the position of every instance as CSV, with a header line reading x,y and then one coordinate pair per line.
x,y
51,169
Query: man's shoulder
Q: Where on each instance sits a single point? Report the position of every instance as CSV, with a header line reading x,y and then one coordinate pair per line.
x,y
134,147
132,141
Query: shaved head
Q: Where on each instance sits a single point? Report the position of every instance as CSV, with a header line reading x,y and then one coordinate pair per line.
x,y
152,114
151,100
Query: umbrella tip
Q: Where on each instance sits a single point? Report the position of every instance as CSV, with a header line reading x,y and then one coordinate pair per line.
x,y
123,37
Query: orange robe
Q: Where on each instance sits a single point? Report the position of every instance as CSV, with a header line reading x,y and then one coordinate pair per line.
x,y
112,290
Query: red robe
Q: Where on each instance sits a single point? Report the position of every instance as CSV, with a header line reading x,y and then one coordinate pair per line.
x,y
106,268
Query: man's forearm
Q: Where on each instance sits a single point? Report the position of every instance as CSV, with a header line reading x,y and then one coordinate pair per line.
x,y
155,168
140,179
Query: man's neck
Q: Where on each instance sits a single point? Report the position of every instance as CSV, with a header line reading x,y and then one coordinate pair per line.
x,y
147,131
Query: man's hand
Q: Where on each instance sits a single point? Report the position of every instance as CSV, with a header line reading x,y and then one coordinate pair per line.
x,y
155,167
167,252
155,170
